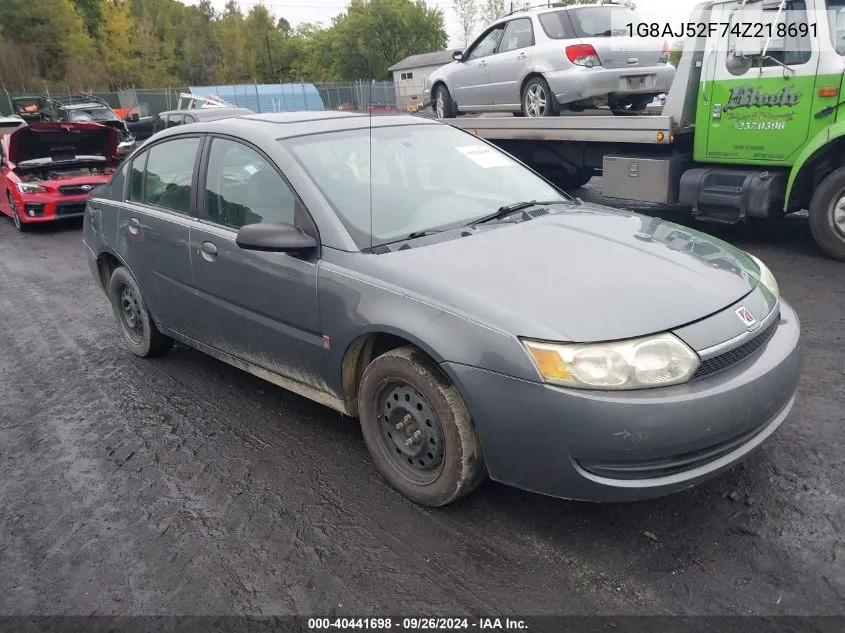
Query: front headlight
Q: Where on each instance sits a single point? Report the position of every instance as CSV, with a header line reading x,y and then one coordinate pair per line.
x,y
30,187
766,277
642,363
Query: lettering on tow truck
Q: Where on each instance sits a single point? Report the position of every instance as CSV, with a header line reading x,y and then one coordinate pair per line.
x,y
748,96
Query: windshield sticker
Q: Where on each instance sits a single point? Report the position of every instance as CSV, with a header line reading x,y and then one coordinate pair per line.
x,y
485,157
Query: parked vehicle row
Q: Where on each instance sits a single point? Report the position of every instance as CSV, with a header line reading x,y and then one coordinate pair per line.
x,y
357,261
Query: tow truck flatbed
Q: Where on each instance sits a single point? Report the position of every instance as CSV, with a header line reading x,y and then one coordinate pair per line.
x,y
655,129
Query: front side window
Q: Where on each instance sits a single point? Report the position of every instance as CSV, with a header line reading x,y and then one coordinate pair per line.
x,y
836,19
170,169
518,34
136,177
411,178
487,45
787,34
243,188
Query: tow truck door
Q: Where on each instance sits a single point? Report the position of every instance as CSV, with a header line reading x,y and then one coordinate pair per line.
x,y
753,113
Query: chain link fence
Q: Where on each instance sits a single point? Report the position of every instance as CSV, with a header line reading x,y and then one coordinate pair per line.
x,y
359,96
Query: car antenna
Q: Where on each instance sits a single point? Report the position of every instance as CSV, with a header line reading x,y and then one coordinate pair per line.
x,y
369,106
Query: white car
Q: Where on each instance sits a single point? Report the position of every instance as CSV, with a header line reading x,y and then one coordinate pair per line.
x,y
538,61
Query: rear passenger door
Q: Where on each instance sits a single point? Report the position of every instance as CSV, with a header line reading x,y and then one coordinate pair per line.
x,y
510,64
154,225
259,307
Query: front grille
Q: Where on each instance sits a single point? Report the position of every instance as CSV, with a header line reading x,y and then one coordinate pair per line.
x,y
75,190
70,208
738,354
666,466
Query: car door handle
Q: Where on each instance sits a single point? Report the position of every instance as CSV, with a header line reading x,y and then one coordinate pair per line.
x,y
208,251
134,226
482,63
521,56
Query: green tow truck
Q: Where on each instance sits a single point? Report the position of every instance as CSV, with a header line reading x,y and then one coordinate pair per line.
x,y
753,126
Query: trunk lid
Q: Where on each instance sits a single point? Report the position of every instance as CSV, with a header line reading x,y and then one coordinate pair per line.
x,y
62,142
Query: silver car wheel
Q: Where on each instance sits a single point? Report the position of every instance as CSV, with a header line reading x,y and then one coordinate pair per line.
x,y
441,106
536,101
837,216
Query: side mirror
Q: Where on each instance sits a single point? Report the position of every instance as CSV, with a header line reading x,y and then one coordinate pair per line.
x,y
458,56
275,238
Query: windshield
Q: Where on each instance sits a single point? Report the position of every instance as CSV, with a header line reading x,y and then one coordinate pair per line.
x,y
92,114
423,178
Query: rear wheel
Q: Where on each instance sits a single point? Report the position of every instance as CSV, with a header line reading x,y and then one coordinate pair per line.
x,y
827,214
139,332
538,100
418,430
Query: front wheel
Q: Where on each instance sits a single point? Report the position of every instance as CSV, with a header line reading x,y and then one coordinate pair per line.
x,y
418,430
20,225
444,105
139,332
538,100
827,214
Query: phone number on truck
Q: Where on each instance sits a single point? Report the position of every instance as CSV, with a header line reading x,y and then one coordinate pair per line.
x,y
710,29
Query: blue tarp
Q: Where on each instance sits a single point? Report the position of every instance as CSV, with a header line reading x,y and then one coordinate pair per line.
x,y
266,97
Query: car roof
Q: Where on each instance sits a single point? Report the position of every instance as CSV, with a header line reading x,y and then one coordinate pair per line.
x,y
281,125
549,8
78,106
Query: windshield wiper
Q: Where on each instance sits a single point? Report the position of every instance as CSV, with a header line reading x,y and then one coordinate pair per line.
x,y
502,212
416,234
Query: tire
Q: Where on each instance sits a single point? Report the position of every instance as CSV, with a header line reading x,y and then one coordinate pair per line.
x,y
444,105
433,416
827,214
566,181
20,225
537,99
139,332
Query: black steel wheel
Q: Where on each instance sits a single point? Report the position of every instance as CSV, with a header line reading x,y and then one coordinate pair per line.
x,y
418,430
139,332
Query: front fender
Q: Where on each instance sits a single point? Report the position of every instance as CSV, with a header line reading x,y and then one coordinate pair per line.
x,y
811,149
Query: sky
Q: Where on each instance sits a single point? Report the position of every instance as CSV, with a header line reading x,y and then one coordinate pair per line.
x,y
299,11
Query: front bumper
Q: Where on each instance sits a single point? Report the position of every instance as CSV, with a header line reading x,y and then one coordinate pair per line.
x,y
608,447
589,83
37,208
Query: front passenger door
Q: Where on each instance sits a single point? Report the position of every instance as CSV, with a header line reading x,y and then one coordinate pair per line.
x,y
260,307
510,64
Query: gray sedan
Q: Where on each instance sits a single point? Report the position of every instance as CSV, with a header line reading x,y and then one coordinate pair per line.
x,y
475,319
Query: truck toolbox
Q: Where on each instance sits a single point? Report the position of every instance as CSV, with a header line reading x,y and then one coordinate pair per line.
x,y
643,178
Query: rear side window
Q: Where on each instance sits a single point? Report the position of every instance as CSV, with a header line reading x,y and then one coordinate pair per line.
x,y
604,21
170,170
557,25
136,178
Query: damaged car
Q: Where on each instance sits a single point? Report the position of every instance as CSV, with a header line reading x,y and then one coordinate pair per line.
x,y
47,170
78,108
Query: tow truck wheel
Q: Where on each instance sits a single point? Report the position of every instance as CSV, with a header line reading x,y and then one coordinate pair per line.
x,y
827,214
16,216
538,100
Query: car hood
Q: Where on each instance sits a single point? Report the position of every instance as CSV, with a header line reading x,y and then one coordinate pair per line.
x,y
61,141
589,274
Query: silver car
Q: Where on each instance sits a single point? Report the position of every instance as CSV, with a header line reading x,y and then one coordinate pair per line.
x,y
536,62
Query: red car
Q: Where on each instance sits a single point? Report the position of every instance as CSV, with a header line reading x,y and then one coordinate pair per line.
x,y
48,169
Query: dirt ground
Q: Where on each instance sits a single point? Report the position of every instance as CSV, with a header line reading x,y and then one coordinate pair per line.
x,y
183,486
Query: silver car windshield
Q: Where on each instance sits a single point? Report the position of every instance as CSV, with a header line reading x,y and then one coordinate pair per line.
x,y
413,178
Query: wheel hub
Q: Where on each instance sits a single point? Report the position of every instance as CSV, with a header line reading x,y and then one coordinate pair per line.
x,y
535,101
441,106
130,311
837,216
411,428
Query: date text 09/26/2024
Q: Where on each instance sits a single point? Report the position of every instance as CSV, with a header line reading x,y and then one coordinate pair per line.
x,y
721,29
418,624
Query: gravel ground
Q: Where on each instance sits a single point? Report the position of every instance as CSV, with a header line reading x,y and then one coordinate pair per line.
x,y
183,486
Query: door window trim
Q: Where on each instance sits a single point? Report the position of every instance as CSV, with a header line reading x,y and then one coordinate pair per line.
x,y
192,204
303,218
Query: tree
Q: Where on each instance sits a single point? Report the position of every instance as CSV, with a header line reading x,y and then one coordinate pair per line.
x,y
468,14
492,10
383,32
675,52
